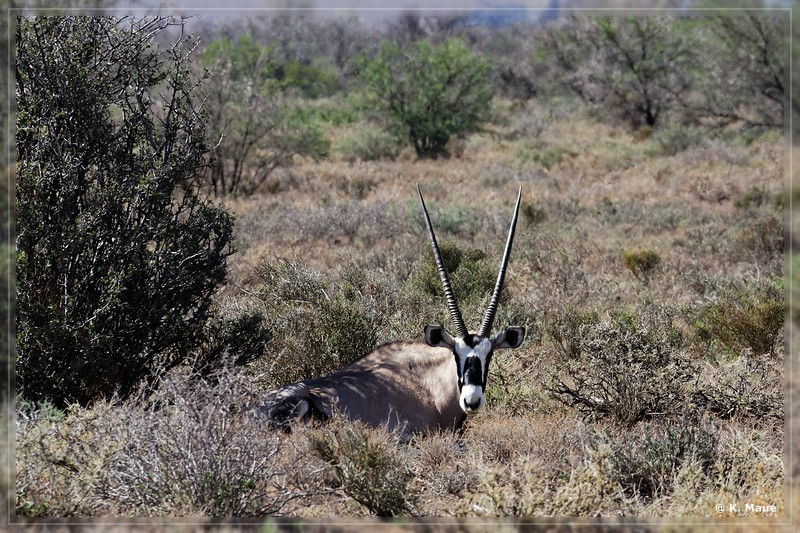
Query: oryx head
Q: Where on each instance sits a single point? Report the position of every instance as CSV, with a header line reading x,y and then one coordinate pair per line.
x,y
472,351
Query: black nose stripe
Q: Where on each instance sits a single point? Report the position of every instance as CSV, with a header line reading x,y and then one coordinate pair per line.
x,y
473,374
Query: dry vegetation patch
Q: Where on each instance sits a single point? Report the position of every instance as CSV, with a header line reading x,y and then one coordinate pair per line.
x,y
650,382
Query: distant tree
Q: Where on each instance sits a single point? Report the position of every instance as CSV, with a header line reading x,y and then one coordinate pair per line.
x,y
118,251
257,127
510,47
635,65
431,92
412,25
730,68
745,70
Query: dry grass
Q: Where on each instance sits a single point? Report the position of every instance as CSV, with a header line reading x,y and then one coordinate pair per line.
x,y
595,192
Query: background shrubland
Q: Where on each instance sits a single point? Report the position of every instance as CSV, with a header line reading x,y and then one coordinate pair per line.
x,y
648,267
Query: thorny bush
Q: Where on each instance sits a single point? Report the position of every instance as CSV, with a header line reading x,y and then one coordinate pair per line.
x,y
190,449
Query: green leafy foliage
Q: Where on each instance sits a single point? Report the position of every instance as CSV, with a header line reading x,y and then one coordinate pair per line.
x,y
744,317
642,262
118,253
541,154
233,337
366,465
323,326
367,143
471,274
310,80
431,92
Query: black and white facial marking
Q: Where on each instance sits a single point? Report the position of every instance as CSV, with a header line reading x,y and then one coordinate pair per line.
x,y
473,354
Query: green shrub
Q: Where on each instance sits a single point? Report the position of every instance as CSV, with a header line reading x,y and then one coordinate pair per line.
x,y
312,80
431,92
238,336
119,252
471,274
744,317
366,465
257,122
323,326
755,197
675,139
533,214
546,156
452,219
641,262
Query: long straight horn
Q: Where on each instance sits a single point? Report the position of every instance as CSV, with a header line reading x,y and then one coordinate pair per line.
x,y
488,318
452,305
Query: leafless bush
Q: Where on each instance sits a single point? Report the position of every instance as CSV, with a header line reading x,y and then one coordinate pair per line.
x,y
190,449
748,387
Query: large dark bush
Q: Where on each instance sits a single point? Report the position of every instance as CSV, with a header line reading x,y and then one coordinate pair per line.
x,y
118,251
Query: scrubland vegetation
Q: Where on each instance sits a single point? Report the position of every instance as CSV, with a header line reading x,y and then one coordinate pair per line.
x,y
648,268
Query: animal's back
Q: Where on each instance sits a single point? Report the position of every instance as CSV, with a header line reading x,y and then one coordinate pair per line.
x,y
405,385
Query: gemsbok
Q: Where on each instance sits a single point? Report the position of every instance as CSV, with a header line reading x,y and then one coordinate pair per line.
x,y
408,386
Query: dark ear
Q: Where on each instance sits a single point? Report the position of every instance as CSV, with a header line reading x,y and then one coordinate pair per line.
x,y
436,335
511,338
